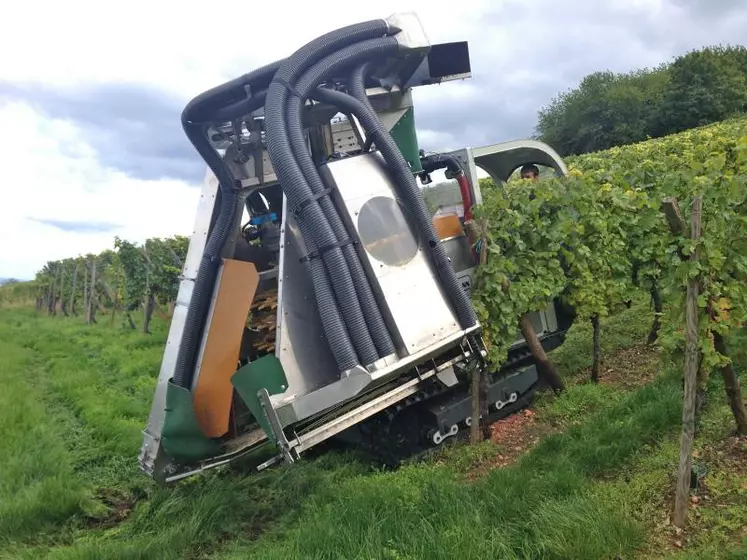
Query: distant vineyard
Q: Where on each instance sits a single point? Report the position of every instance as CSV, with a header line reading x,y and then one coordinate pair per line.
x,y
126,278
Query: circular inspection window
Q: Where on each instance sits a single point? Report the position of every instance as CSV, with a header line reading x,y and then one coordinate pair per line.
x,y
385,231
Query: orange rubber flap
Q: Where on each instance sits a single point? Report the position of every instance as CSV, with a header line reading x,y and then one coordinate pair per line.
x,y
237,285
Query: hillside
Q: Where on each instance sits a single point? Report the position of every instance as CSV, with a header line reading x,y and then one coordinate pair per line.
x,y
589,473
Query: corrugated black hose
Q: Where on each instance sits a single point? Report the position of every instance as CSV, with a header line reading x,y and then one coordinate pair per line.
x,y
330,66
314,224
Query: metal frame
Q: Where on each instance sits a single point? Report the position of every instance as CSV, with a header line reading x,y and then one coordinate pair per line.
x,y
314,437
150,450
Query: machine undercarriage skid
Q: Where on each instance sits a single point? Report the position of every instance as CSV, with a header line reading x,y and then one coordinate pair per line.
x,y
319,298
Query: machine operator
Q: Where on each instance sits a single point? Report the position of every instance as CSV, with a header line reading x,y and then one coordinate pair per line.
x,y
530,171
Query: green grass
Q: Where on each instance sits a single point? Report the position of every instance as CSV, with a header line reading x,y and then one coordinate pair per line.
x,y
38,487
76,398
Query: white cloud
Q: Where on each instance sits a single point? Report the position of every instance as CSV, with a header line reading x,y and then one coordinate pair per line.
x,y
523,53
40,183
183,47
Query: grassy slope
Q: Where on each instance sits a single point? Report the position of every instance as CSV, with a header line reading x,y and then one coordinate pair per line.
x,y
76,399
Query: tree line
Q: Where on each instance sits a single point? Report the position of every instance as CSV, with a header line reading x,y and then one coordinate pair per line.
x,y
612,109
128,278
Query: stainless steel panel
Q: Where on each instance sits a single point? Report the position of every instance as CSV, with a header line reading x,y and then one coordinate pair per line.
x,y
299,407
368,409
300,344
202,224
459,252
411,292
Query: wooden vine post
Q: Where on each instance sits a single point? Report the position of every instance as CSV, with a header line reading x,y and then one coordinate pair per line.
x,y
85,288
90,309
72,291
595,348
692,355
479,430
148,298
62,293
55,286
731,384
544,366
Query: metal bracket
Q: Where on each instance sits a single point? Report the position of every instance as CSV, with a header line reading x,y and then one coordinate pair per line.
x,y
277,429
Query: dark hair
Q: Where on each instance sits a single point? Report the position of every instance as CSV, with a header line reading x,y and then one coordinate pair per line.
x,y
530,167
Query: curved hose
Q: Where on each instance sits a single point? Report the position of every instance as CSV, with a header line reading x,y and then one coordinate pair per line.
x,y
194,114
357,86
314,225
322,70
239,108
409,192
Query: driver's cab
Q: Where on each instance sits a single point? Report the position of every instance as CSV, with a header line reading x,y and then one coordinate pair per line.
x,y
501,162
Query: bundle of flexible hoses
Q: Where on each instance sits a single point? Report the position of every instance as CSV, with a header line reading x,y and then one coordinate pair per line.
x,y
352,322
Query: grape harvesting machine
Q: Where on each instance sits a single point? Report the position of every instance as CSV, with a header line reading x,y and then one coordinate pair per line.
x,y
319,297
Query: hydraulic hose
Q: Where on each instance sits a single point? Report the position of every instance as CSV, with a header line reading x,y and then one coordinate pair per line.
x,y
452,165
314,224
464,189
194,116
409,192
322,70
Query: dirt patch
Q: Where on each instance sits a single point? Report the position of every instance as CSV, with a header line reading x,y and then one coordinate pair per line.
x,y
515,434
629,368
512,436
119,507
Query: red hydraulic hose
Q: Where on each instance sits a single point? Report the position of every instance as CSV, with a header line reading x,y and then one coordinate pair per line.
x,y
466,195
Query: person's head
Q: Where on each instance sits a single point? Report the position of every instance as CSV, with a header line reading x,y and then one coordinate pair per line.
x,y
530,171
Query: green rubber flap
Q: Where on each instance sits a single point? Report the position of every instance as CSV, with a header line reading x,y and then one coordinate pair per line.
x,y
263,373
181,436
403,133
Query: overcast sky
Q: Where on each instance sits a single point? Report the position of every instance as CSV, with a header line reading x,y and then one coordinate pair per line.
x,y
91,92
